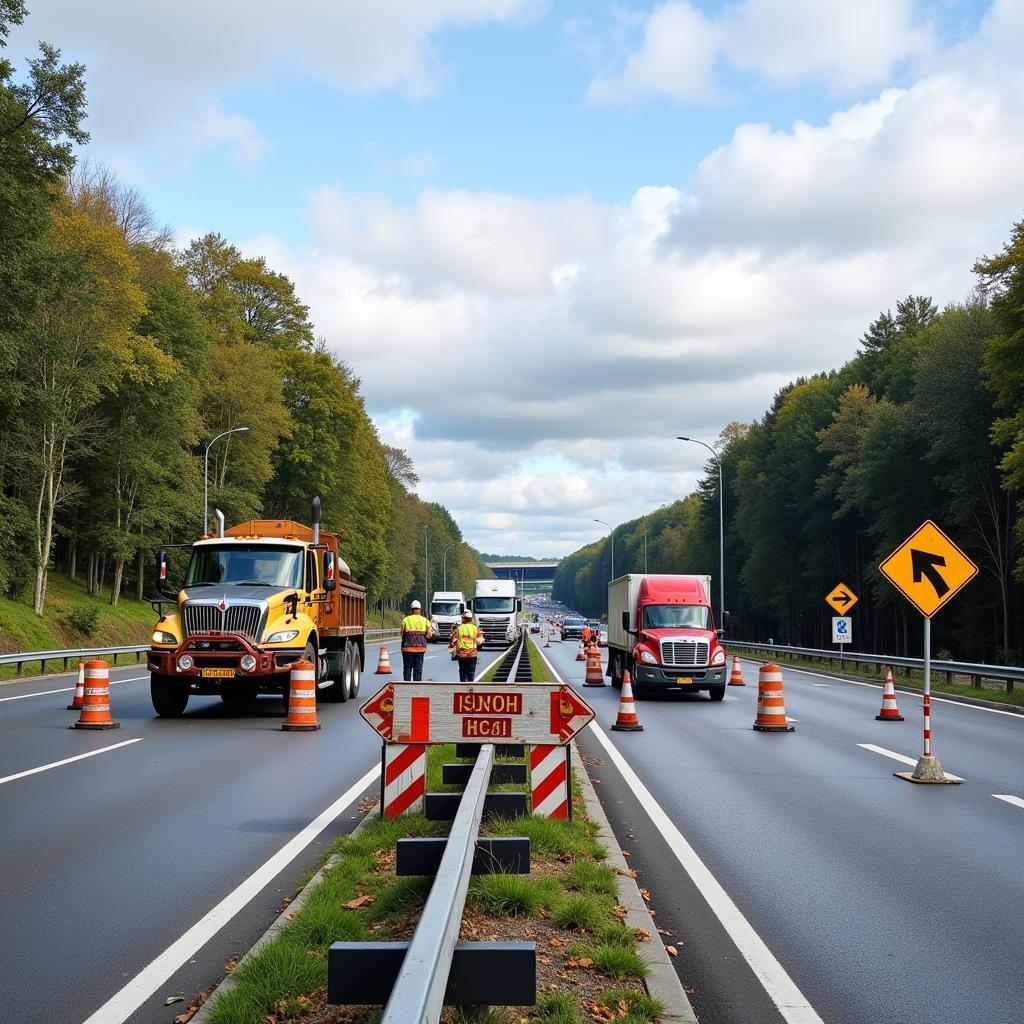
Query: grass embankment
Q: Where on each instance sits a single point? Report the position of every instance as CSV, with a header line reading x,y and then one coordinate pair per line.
x,y
587,965
67,603
990,689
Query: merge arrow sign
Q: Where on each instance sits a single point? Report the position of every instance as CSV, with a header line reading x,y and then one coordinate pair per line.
x,y
914,569
923,564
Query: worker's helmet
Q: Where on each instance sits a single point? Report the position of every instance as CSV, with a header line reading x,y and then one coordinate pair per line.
x,y
467,614
415,606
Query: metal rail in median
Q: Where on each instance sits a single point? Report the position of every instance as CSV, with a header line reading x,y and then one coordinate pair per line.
x,y
976,671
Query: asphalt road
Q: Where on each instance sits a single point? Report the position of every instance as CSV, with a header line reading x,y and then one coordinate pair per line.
x,y
107,861
884,901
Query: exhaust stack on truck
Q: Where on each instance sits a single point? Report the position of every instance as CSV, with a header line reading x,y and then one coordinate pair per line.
x,y
662,631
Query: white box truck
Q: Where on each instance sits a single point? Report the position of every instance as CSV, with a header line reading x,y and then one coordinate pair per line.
x,y
496,611
661,630
446,608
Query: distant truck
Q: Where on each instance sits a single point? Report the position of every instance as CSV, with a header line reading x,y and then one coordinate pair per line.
x,y
496,611
446,608
256,599
661,629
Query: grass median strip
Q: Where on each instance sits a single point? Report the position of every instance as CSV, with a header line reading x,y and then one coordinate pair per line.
x,y
587,965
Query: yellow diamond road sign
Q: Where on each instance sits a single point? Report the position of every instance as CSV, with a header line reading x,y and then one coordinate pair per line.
x,y
928,569
842,599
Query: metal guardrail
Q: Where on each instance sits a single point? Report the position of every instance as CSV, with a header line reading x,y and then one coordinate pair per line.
x,y
976,671
21,658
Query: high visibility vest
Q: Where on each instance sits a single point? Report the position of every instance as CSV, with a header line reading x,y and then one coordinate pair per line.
x,y
466,640
415,632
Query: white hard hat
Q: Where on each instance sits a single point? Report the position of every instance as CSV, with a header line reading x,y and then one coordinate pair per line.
x,y
467,614
415,604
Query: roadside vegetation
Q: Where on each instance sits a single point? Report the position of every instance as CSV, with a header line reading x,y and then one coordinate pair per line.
x,y
588,967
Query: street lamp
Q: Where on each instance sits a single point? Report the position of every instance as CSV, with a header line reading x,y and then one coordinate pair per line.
x,y
611,530
206,473
721,528
444,565
645,548
426,562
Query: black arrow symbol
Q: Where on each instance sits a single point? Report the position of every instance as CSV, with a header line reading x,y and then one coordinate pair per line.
x,y
842,598
923,564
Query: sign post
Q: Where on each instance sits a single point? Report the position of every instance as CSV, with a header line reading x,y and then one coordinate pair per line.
x,y
928,569
841,600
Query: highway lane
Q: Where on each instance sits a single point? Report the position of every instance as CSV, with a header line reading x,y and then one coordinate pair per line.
x,y
884,901
108,860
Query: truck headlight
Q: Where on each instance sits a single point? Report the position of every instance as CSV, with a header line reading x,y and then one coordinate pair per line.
x,y
247,663
282,637
719,658
184,663
160,637
648,658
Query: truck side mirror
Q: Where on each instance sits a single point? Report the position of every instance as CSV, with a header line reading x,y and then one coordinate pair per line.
x,y
161,573
462,607
469,604
519,604
329,571
625,622
725,620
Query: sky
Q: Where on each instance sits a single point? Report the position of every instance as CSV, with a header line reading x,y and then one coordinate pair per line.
x,y
549,237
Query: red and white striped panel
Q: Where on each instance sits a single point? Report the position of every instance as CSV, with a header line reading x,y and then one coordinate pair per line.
x,y
405,778
549,789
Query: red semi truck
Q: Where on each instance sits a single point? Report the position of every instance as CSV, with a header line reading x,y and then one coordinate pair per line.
x,y
662,631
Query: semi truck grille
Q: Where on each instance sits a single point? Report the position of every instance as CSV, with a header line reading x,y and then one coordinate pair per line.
x,y
494,629
684,653
206,618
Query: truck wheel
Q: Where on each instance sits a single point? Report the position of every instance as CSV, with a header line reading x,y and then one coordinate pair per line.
x,y
169,695
357,671
615,672
717,692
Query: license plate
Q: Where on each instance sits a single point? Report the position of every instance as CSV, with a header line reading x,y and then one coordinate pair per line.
x,y
218,673
684,680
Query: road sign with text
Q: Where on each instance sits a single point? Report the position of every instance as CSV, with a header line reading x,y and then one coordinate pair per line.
x,y
842,629
928,569
534,713
842,599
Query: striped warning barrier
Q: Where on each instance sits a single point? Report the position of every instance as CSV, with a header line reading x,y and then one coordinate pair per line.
x,y
771,710
736,679
890,709
79,698
301,699
405,778
549,790
95,712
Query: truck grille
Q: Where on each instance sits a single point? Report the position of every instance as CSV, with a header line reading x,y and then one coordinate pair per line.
x,y
494,629
684,653
244,620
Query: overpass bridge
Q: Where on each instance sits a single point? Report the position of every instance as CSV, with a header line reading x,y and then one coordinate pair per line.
x,y
532,576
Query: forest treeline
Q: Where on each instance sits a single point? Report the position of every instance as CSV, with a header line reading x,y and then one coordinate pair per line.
x,y
122,358
925,422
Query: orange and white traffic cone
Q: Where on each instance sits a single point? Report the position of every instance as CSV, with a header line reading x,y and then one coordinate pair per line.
x,y
595,673
771,711
736,679
96,699
383,663
890,711
301,699
79,698
581,654
627,720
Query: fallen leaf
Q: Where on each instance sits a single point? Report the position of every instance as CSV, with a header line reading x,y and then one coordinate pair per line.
x,y
173,999
184,1018
672,950
646,895
555,943
625,853
230,965
360,901
620,911
291,915
642,934
663,931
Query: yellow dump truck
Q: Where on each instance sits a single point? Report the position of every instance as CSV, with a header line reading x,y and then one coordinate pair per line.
x,y
255,599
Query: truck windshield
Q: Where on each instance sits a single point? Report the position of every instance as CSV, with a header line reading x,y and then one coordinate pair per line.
x,y
669,616
444,608
494,604
240,563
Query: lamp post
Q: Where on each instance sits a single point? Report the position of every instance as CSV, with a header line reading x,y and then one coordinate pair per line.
x,y
444,565
611,531
206,473
426,562
645,548
721,529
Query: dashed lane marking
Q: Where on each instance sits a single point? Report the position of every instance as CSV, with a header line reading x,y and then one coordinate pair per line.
x,y
1015,800
901,757
68,760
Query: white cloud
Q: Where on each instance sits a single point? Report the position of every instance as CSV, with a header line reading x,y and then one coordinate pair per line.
x,y
683,53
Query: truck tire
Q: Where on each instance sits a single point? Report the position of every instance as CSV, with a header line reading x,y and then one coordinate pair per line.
x,y
357,671
717,692
615,671
169,695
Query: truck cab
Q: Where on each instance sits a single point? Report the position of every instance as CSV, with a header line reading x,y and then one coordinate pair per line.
x,y
446,608
496,612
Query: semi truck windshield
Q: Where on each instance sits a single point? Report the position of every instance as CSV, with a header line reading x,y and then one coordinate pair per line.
x,y
494,604
670,616
253,564
444,608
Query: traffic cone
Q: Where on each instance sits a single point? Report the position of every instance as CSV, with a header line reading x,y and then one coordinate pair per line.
x,y
627,720
771,712
595,673
581,654
96,699
383,663
79,698
301,699
736,679
890,711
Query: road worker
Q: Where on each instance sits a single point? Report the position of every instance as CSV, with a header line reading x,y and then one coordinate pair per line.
x,y
586,636
415,634
466,641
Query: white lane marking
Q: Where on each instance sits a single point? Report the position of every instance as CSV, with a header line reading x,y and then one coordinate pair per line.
x,y
788,999
824,686
122,1005
69,689
1015,800
68,760
901,757
909,693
